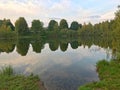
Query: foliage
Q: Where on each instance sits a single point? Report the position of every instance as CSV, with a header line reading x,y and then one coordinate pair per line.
x,y
22,46
63,46
117,23
7,35
104,34
7,45
6,71
105,28
21,26
6,25
10,81
63,24
37,26
53,45
53,25
109,74
37,45
74,25
108,71
1,21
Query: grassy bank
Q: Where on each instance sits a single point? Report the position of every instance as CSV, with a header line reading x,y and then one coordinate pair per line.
x,y
109,74
10,81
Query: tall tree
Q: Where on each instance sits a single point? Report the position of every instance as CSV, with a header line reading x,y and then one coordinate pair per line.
x,y
37,26
74,25
117,14
63,24
117,22
53,25
6,25
1,21
56,27
21,26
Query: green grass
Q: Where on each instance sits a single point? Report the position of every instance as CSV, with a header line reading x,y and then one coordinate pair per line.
x,y
10,81
109,74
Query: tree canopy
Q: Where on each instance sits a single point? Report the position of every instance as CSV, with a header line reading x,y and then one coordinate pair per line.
x,y
53,25
21,26
37,25
105,28
63,24
74,25
6,25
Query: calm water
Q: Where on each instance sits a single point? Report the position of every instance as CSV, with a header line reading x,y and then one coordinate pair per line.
x,y
60,67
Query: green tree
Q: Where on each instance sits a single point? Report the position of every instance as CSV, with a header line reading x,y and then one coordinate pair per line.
x,y
21,26
74,25
117,14
9,24
6,25
1,21
80,26
53,25
37,26
56,27
116,23
63,24
5,28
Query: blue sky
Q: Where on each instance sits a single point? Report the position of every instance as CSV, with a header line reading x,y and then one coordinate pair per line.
x,y
72,10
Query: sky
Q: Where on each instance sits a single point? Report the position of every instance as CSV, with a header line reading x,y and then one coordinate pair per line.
x,y
93,11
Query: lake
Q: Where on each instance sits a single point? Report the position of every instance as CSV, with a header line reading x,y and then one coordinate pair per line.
x,y
61,65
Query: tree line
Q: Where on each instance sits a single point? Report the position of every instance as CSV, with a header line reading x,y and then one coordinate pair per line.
x,y
22,45
105,28
21,25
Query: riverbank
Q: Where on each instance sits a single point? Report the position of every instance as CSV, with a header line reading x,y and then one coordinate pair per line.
x,y
109,74
11,81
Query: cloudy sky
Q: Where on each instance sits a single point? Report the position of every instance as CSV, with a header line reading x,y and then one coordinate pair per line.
x,y
71,10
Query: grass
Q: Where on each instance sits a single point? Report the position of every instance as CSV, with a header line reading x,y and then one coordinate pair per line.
x,y
10,81
109,73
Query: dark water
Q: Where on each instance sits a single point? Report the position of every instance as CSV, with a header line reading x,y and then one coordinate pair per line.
x,y
61,65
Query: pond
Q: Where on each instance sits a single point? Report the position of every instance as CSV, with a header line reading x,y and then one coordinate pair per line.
x,y
61,65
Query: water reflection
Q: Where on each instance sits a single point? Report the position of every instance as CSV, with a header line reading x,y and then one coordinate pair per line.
x,y
53,45
63,46
74,44
37,46
22,45
61,64
7,46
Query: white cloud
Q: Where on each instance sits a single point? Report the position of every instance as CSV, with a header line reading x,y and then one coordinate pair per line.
x,y
108,15
44,10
